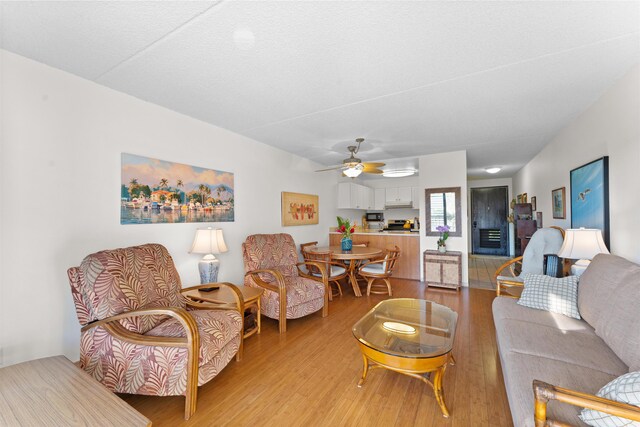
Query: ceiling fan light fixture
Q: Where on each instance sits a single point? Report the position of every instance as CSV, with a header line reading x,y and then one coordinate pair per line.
x,y
493,170
398,173
354,171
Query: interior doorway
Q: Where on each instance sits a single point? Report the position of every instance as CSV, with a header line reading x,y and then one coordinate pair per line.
x,y
489,226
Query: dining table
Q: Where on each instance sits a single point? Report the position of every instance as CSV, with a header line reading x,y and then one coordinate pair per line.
x,y
354,256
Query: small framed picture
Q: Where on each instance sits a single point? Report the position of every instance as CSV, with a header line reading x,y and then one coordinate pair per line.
x,y
524,197
539,219
533,203
559,207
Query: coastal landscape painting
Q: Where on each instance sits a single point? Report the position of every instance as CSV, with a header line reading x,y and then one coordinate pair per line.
x,y
299,209
157,191
590,196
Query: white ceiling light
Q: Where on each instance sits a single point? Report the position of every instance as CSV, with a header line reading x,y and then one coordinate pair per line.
x,y
244,38
354,171
493,170
398,173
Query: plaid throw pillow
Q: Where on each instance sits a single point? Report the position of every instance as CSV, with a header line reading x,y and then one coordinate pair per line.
x,y
625,389
558,295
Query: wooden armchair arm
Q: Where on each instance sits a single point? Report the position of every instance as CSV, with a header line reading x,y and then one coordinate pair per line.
x,y
507,283
510,264
544,392
111,324
324,276
280,287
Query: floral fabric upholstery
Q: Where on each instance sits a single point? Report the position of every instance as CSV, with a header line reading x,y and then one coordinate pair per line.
x,y
121,280
114,281
278,252
272,252
304,296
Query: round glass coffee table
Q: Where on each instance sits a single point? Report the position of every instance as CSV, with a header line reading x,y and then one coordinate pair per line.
x,y
410,336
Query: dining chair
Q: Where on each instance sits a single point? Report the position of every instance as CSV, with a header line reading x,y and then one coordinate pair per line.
x,y
335,270
380,269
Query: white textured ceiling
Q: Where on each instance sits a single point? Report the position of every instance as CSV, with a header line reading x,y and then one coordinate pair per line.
x,y
498,79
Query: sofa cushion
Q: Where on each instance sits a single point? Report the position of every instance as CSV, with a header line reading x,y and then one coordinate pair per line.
x,y
582,348
608,298
558,295
508,308
625,389
521,369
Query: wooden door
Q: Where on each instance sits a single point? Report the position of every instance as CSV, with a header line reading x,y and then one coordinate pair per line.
x,y
489,226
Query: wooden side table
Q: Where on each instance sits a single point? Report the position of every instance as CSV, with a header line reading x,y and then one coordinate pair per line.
x,y
53,391
223,295
443,270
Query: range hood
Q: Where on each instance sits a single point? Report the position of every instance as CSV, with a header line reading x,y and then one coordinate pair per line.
x,y
399,205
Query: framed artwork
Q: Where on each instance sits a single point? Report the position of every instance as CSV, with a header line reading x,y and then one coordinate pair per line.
x,y
519,198
539,219
590,196
559,207
533,203
156,191
299,209
524,197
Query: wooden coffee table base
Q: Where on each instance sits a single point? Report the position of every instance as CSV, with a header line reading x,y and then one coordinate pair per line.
x,y
428,370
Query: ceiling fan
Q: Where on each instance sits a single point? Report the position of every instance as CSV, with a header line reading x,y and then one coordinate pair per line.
x,y
353,166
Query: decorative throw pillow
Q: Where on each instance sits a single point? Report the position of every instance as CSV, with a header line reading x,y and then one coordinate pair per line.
x,y
558,295
625,389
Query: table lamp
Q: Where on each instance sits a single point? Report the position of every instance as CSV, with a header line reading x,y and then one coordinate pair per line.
x,y
582,244
208,241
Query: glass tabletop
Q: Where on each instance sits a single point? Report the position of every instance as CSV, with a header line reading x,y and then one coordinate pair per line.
x,y
408,327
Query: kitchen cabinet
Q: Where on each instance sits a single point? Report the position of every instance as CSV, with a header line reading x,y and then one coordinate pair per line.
x,y
399,196
379,199
354,196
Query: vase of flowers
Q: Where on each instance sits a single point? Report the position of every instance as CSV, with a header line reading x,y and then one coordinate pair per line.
x,y
345,228
444,235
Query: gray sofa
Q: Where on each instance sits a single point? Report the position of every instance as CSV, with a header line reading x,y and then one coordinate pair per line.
x,y
581,355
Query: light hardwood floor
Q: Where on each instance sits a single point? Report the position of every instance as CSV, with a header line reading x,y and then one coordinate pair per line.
x,y
309,375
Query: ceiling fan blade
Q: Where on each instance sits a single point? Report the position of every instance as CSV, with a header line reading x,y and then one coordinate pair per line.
x,y
333,168
373,164
373,171
368,167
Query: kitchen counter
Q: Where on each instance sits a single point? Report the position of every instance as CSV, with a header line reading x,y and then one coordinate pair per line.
x,y
383,233
408,265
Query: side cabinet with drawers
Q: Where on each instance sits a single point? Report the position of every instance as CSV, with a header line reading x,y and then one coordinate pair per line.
x,y
443,270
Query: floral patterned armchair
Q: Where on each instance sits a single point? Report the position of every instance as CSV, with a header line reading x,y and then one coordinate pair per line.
x,y
271,263
140,335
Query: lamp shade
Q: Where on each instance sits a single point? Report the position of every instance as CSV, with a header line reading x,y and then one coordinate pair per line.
x,y
582,243
208,241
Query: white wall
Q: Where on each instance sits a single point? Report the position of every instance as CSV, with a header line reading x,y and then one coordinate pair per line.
x,y
61,142
610,127
445,170
492,182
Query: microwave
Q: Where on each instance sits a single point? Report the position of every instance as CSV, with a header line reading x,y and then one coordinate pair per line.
x,y
375,216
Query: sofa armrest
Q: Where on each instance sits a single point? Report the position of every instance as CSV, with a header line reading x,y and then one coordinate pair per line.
x,y
544,392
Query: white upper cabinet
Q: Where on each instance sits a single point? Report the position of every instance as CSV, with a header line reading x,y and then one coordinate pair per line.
x,y
354,196
399,196
379,199
415,197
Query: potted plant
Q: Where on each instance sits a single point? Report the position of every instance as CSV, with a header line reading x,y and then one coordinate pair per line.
x,y
444,235
345,228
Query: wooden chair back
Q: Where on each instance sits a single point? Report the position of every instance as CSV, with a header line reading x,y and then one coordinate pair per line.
x,y
390,259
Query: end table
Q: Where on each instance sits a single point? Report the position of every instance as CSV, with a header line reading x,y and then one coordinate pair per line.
x,y
225,296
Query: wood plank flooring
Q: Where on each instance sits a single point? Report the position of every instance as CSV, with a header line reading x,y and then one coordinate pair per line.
x,y
309,376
